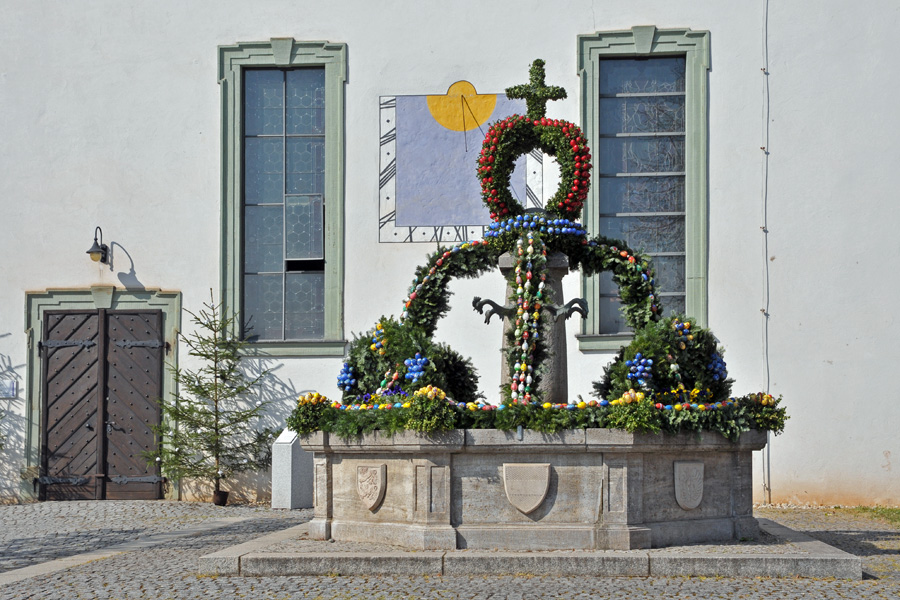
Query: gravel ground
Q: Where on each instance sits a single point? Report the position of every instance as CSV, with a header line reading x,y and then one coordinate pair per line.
x,y
169,570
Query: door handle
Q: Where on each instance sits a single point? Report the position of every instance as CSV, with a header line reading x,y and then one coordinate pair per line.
x,y
89,426
109,426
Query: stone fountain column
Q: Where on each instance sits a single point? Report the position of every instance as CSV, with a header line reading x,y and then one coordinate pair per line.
x,y
554,386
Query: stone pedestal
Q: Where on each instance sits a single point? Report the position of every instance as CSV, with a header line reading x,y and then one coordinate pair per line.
x,y
577,489
554,386
292,473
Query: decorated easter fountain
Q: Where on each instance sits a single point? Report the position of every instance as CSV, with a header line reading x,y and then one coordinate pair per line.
x,y
413,455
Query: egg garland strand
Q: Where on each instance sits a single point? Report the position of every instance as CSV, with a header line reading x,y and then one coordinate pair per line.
x,y
530,279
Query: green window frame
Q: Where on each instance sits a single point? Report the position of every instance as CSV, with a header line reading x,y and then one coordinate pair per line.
x,y
639,42
285,53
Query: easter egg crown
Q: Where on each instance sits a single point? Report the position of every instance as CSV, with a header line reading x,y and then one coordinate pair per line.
x,y
509,138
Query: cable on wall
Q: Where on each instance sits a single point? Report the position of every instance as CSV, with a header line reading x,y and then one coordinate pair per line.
x,y
764,228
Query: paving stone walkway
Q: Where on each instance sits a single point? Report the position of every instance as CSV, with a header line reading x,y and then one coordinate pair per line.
x,y
38,532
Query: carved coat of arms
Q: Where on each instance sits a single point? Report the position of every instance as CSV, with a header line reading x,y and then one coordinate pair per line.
x,y
688,483
370,484
526,484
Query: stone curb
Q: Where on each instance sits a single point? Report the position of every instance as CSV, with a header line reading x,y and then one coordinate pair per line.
x,y
228,561
75,560
816,560
342,563
582,563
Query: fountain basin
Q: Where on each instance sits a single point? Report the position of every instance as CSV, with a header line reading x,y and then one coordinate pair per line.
x,y
491,489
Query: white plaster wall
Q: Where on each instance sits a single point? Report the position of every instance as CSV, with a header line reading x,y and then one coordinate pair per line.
x,y
109,115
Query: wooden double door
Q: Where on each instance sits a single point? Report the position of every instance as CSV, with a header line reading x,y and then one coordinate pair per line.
x,y
101,383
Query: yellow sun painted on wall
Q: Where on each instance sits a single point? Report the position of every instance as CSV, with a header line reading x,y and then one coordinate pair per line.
x,y
462,108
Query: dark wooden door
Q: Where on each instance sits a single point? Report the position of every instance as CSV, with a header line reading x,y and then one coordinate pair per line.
x,y
71,417
102,374
134,357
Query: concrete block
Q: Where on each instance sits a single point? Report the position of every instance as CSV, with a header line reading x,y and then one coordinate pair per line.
x,y
742,565
526,537
680,533
576,563
292,473
211,564
417,537
618,537
487,440
343,563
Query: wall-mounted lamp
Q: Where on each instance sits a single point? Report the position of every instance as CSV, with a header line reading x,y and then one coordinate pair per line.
x,y
99,251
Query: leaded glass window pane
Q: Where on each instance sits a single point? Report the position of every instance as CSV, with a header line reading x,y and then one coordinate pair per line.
x,y
641,194
263,103
305,165
611,316
669,274
642,75
642,114
622,155
304,227
304,315
263,306
306,101
651,234
263,170
263,239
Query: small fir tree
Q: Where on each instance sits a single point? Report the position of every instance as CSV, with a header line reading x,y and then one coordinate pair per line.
x,y
209,428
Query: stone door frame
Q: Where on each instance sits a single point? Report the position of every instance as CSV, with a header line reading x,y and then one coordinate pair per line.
x,y
94,298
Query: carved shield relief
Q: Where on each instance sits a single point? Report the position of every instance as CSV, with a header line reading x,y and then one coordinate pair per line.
x,y
526,484
688,483
371,482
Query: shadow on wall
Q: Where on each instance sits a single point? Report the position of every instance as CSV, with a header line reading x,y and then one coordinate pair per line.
x,y
129,279
12,430
281,396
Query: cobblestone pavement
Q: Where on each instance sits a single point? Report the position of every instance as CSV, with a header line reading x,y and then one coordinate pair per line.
x,y
876,542
169,570
35,533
